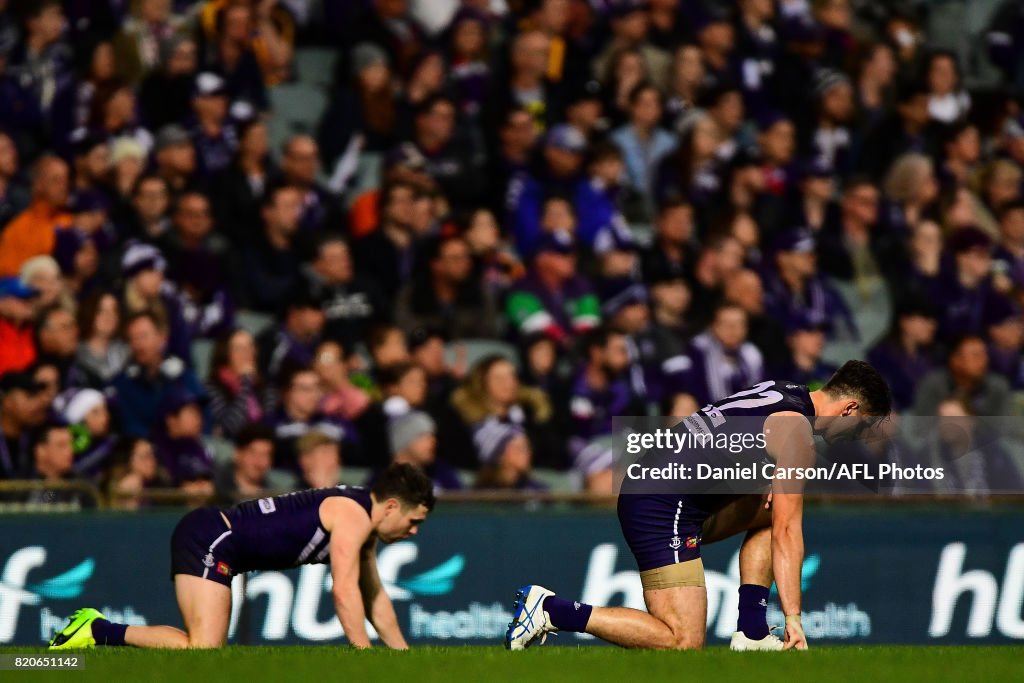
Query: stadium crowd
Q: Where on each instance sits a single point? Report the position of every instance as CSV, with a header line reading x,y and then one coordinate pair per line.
x,y
643,206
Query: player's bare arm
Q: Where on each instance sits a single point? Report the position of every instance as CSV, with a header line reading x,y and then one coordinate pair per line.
x,y
376,602
349,532
789,441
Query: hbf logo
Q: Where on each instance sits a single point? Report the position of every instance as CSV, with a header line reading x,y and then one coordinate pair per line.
x,y
15,591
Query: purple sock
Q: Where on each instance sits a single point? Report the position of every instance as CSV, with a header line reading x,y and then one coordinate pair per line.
x,y
108,633
753,621
567,615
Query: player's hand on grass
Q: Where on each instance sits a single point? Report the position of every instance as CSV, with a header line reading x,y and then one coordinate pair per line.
x,y
794,638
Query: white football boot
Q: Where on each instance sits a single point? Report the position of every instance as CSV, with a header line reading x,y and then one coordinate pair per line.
x,y
740,643
529,620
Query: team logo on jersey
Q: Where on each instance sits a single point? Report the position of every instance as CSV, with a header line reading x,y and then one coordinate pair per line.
x,y
675,543
223,568
208,561
692,541
267,505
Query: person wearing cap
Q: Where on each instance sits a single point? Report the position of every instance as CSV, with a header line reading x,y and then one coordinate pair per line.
x,y
269,262
618,256
197,264
444,293
1004,327
145,288
22,410
292,341
795,286
174,155
806,341
829,137
551,297
151,374
213,133
413,440
558,173
86,413
603,387
965,289
505,455
178,442
17,311
643,143
908,351
32,232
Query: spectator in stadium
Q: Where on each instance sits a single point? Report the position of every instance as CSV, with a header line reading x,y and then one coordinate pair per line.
x,y
213,133
724,104
905,131
32,232
237,191
90,157
601,388
47,374
1004,328
299,414
424,79
616,253
1002,180
505,455
805,365
387,346
467,53
41,60
643,143
93,439
1008,256
42,274
77,250
722,360
540,370
140,42
53,460
152,373
443,293
558,173
873,74
829,138
600,200
269,263
757,49
17,311
965,289
333,363
135,469
966,376
113,115
671,249
351,303
238,394
413,440
908,351
165,95
650,346
245,477
495,263
293,341
128,161
795,287
148,217
57,340
319,460
776,144
197,264
229,50
551,297
174,157
812,195
14,196
145,289
527,85
517,138
300,167
693,168
629,24
385,255
718,261
948,101
961,153
101,353
670,305
22,409
685,83
427,350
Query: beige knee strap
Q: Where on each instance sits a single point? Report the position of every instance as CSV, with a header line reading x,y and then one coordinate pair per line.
x,y
689,573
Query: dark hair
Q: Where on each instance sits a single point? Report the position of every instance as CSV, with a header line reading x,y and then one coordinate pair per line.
x,y
857,379
598,338
639,89
289,372
148,314
384,198
857,180
431,101
672,201
330,237
252,432
378,334
221,354
1009,207
42,434
390,375
407,484
146,178
90,308
269,200
602,151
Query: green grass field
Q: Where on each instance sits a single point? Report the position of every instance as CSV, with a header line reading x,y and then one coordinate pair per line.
x,y
457,664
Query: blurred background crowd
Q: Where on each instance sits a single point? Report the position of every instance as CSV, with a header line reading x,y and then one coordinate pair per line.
x,y
252,245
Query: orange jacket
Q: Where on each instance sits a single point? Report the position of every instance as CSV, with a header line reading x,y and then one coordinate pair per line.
x,y
17,348
30,233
